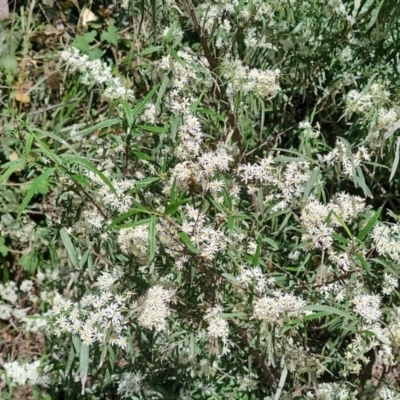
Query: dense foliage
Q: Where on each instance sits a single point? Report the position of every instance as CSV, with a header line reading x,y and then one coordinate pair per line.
x,y
200,200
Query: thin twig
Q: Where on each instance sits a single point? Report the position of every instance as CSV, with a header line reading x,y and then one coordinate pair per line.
x,y
52,107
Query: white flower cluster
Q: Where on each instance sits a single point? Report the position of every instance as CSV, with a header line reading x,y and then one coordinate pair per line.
x,y
35,323
386,393
368,307
20,374
362,103
11,305
245,80
118,201
389,338
155,309
387,240
189,74
390,283
205,238
92,221
273,309
135,240
335,391
255,276
130,384
176,34
296,357
355,354
149,114
344,261
374,101
254,41
97,317
202,172
212,14
8,292
96,72
308,131
348,160
218,327
386,117
247,383
190,138
290,179
314,217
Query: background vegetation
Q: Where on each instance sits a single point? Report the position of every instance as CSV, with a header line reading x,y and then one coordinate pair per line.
x,y
199,199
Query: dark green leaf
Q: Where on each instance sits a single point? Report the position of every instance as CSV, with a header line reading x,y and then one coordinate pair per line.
x,y
371,223
35,185
186,240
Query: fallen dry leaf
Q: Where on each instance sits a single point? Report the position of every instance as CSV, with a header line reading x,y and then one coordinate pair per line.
x,y
22,97
87,16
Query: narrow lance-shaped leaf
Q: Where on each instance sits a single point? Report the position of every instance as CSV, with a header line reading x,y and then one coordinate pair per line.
x,y
396,159
46,150
83,365
310,184
282,381
36,183
152,238
186,240
328,309
11,166
91,167
371,223
69,247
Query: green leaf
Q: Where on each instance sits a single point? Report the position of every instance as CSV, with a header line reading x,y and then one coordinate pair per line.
x,y
97,127
171,208
150,50
282,381
144,183
88,165
230,277
35,185
9,64
11,166
130,213
53,136
139,107
142,156
186,240
374,16
111,35
152,128
82,42
340,238
71,358
342,223
361,181
256,257
81,179
328,309
69,247
396,159
46,150
3,248
271,242
310,184
371,223
152,238
83,365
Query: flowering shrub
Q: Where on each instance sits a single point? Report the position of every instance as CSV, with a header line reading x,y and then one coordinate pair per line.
x,y
220,234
